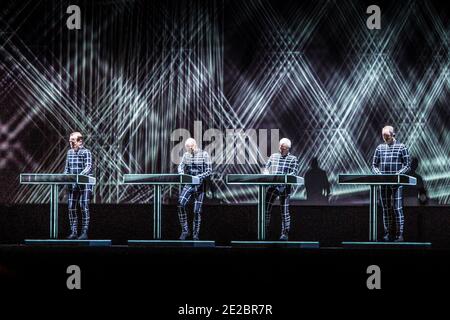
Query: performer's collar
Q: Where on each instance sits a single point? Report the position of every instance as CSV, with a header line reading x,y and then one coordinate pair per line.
x,y
79,148
392,142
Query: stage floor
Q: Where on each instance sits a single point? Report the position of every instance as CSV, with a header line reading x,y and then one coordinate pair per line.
x,y
329,225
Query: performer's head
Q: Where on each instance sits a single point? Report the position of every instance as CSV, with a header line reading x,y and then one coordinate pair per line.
x,y
388,134
75,140
190,145
285,145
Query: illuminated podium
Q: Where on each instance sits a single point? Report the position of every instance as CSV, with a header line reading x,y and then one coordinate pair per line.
x,y
375,180
158,180
263,180
53,180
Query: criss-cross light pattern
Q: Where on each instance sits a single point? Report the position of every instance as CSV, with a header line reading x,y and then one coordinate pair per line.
x,y
139,70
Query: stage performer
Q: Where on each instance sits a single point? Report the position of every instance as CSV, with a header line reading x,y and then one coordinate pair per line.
x,y
78,161
281,163
391,157
195,162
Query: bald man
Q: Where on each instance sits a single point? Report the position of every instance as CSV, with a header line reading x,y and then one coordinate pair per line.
x,y
391,157
281,163
197,163
78,161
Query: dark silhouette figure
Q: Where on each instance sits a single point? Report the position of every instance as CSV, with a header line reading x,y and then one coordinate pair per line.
x,y
418,192
316,183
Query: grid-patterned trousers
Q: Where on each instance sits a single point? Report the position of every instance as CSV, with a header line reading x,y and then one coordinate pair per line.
x,y
284,193
198,192
79,194
392,204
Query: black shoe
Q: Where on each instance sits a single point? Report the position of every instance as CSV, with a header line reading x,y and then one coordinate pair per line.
x,y
72,236
83,236
399,239
284,237
184,235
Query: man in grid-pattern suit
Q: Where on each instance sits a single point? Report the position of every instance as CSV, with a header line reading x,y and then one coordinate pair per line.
x,y
197,163
281,163
391,157
78,161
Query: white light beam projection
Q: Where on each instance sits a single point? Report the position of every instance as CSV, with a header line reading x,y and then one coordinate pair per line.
x,y
139,70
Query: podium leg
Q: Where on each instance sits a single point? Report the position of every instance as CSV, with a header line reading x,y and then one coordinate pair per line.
x,y
261,213
53,211
157,212
373,226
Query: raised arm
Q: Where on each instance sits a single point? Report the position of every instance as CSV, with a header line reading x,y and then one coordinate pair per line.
x,y
406,161
208,165
66,169
88,167
268,165
376,161
294,167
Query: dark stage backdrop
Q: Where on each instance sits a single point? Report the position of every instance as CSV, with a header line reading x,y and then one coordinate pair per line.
x,y
140,76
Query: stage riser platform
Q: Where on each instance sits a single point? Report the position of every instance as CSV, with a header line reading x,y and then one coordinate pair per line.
x,y
330,225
